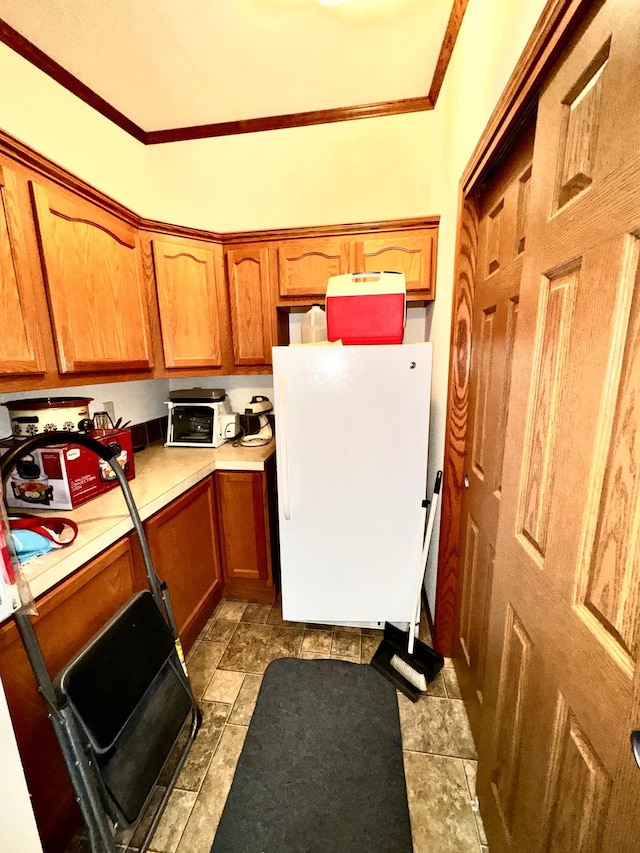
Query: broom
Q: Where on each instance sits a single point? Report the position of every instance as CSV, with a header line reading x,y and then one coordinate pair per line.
x,y
401,657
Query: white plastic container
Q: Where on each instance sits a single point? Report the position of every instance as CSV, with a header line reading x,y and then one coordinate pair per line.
x,y
314,326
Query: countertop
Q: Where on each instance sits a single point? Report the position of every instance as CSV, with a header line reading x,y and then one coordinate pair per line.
x,y
162,475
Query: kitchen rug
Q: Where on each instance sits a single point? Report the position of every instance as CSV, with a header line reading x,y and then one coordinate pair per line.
x,y
321,770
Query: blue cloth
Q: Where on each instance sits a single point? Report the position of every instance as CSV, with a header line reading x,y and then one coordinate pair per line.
x,y
29,544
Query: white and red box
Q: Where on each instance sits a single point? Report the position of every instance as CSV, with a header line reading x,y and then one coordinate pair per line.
x,y
64,476
366,308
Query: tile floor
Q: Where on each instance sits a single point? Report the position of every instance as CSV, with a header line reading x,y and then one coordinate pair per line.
x,y
226,666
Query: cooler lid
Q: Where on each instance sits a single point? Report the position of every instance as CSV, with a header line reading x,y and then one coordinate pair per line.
x,y
367,284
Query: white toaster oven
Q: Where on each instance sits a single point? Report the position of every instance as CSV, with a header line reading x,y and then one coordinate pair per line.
x,y
200,424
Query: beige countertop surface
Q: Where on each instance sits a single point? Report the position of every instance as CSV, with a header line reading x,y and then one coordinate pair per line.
x,y
162,475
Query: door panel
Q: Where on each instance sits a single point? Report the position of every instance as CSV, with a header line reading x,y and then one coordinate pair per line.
x,y
513,697
608,585
563,679
501,424
577,792
555,309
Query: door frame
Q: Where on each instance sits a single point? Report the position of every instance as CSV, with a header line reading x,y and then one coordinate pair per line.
x,y
557,23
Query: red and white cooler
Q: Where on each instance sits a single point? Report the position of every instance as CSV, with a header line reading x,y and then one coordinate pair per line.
x,y
366,308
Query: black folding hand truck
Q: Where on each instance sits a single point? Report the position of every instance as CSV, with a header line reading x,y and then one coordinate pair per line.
x,y
119,706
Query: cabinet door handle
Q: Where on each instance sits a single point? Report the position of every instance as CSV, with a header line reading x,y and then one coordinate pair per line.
x,y
635,746
282,447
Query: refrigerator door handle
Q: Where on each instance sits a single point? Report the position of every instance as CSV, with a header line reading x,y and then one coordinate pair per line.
x,y
282,446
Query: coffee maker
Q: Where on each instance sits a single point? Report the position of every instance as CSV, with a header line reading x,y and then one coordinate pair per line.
x,y
256,423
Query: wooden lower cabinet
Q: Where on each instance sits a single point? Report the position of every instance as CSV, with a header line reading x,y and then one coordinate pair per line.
x,y
68,616
184,548
246,533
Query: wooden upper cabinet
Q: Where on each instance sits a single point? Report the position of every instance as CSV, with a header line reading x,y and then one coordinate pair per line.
x,y
93,273
304,266
410,252
189,301
20,344
249,303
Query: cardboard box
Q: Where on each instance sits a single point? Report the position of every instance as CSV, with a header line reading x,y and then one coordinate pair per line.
x,y
67,475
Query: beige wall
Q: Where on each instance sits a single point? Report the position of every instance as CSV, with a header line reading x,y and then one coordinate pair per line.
x,y
491,39
386,168
343,172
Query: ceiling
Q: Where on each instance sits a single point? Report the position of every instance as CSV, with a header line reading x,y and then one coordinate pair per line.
x,y
181,69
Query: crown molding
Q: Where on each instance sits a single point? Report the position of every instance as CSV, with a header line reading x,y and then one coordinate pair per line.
x,y
35,56
448,43
306,119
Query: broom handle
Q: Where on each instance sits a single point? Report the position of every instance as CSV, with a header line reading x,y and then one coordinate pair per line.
x,y
415,613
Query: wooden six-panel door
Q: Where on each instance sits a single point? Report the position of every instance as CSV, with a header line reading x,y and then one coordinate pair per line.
x,y
501,244
562,691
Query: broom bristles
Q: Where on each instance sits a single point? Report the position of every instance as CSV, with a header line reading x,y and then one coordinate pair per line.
x,y
409,673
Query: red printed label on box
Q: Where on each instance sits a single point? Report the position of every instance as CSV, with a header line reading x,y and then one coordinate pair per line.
x,y
51,464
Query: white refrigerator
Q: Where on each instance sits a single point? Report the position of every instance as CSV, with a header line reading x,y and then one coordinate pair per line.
x,y
352,428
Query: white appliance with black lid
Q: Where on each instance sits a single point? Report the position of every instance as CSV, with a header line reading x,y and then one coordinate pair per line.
x,y
200,417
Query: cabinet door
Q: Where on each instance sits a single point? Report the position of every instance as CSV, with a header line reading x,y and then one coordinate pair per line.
x,y
250,304
305,266
20,348
93,272
410,252
189,302
183,544
68,617
244,531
